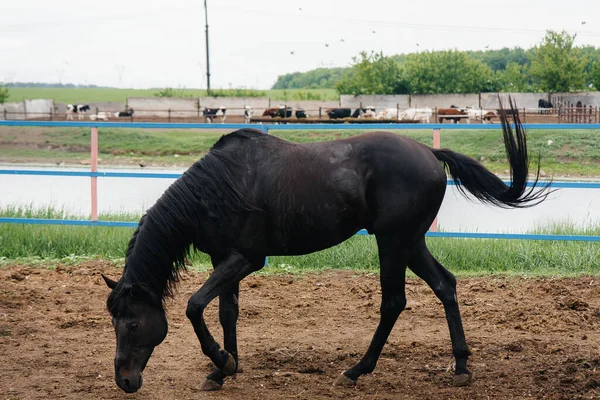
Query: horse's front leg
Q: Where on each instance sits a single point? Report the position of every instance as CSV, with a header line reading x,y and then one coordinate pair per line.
x,y
228,315
224,279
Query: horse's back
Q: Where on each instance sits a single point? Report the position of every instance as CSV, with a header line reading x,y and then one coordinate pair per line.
x,y
322,193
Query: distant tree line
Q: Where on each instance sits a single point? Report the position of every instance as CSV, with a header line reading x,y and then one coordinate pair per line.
x,y
554,65
319,78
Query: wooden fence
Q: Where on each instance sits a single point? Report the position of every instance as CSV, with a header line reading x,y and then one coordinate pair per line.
x,y
576,113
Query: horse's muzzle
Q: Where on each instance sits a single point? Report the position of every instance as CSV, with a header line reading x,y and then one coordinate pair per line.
x,y
130,384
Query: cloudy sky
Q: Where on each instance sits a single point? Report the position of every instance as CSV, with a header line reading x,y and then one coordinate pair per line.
x,y
151,43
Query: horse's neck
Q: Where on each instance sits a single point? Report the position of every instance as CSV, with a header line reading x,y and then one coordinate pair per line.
x,y
156,258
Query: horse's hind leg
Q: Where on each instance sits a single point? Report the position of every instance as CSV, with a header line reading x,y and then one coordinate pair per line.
x,y
228,315
393,259
443,284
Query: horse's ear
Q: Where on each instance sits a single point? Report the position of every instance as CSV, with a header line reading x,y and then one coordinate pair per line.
x,y
109,282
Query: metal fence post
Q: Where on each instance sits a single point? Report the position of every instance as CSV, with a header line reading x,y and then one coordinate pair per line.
x,y
436,145
94,157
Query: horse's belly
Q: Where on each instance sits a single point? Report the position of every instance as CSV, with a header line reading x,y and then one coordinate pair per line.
x,y
304,235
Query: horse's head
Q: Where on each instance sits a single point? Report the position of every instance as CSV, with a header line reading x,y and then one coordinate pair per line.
x,y
140,325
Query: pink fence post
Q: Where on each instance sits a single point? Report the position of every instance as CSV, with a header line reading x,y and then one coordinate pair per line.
x,y
94,155
436,145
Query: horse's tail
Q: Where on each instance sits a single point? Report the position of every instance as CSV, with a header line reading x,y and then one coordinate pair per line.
x,y
471,175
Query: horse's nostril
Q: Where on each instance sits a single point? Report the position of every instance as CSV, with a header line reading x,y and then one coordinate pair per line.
x,y
126,382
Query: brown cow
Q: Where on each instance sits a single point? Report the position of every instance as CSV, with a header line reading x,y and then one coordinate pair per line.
x,y
270,112
450,111
281,112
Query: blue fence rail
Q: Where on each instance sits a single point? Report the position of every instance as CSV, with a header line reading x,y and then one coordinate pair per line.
x,y
266,128
463,235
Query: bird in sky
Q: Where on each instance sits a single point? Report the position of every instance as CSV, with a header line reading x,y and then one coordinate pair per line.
x,y
326,44
292,52
374,32
583,23
342,40
487,46
300,9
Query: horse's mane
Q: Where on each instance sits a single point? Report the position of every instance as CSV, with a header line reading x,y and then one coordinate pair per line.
x,y
211,188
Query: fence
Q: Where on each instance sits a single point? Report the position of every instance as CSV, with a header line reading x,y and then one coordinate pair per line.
x,y
562,114
571,112
94,174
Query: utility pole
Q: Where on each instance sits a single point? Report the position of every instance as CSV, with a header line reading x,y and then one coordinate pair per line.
x,y
207,53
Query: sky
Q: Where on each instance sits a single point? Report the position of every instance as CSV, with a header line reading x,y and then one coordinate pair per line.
x,y
157,44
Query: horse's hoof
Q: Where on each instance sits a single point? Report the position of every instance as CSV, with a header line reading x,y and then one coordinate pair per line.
x,y
230,366
462,379
343,381
209,386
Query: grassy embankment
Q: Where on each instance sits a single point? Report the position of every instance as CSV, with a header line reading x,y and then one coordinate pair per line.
x,y
51,244
573,153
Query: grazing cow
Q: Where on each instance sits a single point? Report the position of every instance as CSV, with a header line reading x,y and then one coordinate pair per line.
x,y
270,112
301,114
248,113
126,113
388,113
360,112
476,114
450,113
78,109
337,113
416,114
102,115
280,111
544,104
370,113
210,113
284,112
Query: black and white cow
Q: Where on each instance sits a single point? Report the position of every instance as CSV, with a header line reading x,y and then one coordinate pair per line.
x,y
284,112
248,113
365,112
78,109
301,114
335,113
210,113
126,113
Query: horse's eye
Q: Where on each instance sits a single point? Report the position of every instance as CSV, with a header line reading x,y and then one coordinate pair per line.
x,y
134,326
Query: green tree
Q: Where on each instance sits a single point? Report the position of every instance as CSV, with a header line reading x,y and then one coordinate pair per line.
x,y
3,94
516,78
557,64
448,72
372,73
498,60
325,78
594,77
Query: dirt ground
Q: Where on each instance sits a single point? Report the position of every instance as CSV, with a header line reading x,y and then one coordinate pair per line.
x,y
530,337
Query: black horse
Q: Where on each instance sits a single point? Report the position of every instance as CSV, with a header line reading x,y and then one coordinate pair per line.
x,y
255,195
